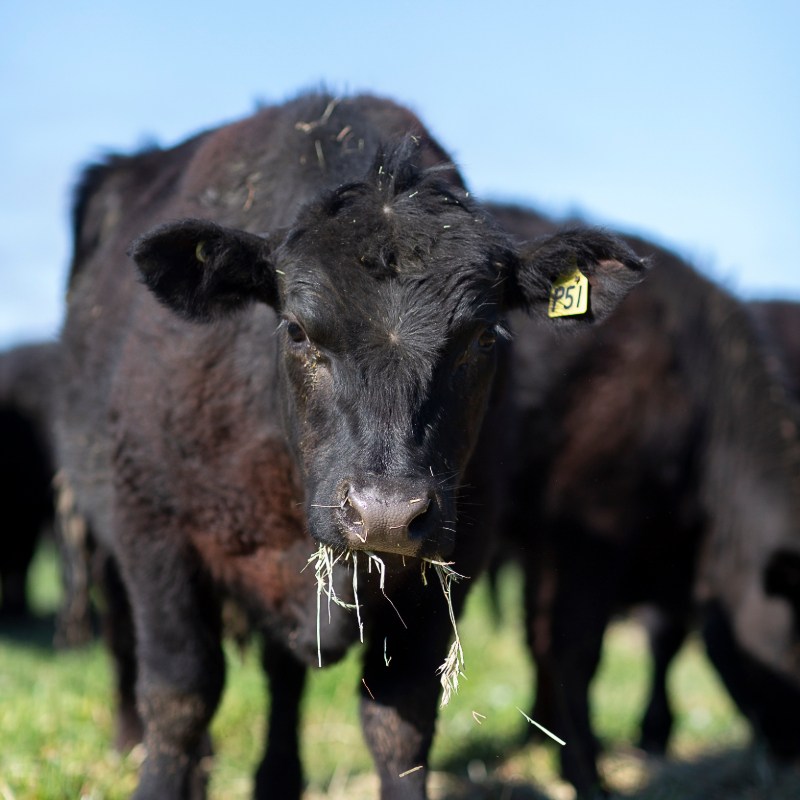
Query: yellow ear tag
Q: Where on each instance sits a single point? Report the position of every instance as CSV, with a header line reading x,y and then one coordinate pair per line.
x,y
569,295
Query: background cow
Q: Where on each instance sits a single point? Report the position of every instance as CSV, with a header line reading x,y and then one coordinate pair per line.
x,y
319,348
660,465
27,375
778,322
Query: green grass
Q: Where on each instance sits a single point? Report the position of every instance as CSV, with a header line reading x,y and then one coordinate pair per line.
x,y
56,718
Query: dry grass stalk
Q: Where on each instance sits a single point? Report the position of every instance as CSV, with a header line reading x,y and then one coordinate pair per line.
x,y
453,665
307,127
325,559
540,727
409,771
355,596
379,563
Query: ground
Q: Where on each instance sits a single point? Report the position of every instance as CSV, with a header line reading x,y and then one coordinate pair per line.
x,y
56,721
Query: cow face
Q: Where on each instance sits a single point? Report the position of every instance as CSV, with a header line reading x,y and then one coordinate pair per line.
x,y
392,293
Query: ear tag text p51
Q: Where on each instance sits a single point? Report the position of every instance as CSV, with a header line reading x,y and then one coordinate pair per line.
x,y
569,295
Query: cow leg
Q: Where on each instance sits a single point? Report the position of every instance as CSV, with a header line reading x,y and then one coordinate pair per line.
x,y
399,701
13,603
540,584
181,666
769,700
121,641
666,634
280,773
567,635
21,539
76,548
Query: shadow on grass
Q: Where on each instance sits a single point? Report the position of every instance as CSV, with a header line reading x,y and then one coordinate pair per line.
x,y
739,774
492,753
36,631
478,769
749,774
492,790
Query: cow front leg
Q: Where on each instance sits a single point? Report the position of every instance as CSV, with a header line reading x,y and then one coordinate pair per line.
x,y
181,667
120,638
565,627
667,633
398,718
399,701
280,774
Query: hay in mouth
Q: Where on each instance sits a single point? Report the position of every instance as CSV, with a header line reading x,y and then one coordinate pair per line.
x,y
324,561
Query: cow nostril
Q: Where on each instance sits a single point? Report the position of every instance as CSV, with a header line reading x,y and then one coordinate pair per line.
x,y
420,525
353,516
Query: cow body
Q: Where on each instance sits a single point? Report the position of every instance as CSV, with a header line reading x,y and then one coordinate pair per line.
x,y
778,323
666,470
317,357
27,375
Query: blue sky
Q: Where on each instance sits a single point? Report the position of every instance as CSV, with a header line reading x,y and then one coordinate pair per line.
x,y
679,120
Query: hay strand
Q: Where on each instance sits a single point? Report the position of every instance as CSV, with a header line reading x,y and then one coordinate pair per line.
x,y
381,565
324,562
409,771
453,665
540,727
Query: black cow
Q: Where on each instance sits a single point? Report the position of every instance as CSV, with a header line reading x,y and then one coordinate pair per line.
x,y
317,355
27,373
778,325
778,322
660,464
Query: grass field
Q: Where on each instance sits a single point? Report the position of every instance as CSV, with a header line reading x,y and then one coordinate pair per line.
x,y
56,721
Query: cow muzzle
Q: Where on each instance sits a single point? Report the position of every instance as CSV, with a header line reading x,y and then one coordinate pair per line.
x,y
391,515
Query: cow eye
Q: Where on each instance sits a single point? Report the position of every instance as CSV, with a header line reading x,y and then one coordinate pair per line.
x,y
295,332
488,337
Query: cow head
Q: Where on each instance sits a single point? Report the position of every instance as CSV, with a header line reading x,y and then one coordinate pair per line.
x,y
392,294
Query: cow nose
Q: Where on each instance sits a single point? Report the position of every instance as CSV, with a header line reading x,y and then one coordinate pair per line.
x,y
391,516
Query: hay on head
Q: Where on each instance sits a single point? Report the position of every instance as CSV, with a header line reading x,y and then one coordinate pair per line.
x,y
324,561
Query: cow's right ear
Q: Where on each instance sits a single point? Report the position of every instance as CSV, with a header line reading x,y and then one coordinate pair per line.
x,y
203,271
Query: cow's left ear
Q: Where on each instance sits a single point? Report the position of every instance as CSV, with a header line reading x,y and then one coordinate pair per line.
x,y
584,270
203,271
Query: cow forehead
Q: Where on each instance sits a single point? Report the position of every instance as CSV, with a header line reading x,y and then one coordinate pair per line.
x,y
386,232
440,291
429,261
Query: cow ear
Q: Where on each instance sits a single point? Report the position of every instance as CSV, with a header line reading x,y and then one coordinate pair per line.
x,y
203,271
601,268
